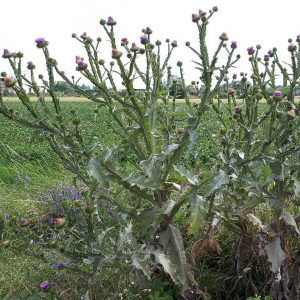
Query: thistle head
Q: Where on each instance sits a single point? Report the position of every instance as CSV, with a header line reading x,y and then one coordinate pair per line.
x,y
30,65
41,42
250,50
292,48
266,57
134,47
124,41
144,39
277,96
115,53
81,65
111,21
6,53
147,30
174,44
195,18
224,37
233,45
45,285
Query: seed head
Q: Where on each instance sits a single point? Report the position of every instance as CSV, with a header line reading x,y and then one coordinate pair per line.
x,y
237,109
147,30
266,57
224,37
124,41
115,53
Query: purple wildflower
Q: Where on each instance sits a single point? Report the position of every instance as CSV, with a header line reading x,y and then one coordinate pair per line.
x,y
234,76
124,41
45,285
277,94
57,265
270,53
250,50
40,40
144,39
233,45
6,53
266,57
81,65
195,18
111,21
298,38
148,30
7,216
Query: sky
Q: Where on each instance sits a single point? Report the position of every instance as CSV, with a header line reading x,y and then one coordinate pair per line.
x,y
265,22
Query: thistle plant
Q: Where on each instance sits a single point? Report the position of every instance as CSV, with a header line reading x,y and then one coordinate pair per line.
x,y
257,166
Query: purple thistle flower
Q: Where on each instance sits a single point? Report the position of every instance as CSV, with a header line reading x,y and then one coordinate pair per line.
x,y
111,21
148,30
124,41
234,76
233,45
6,53
7,216
277,94
250,50
195,18
144,39
270,53
57,265
266,57
45,285
40,40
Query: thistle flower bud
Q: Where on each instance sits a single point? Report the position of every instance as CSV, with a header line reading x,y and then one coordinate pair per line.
x,y
3,74
270,53
277,96
147,30
111,63
134,47
19,54
41,42
40,76
224,37
238,56
89,40
195,18
6,53
102,22
9,81
258,47
215,8
74,35
158,43
292,48
129,55
115,53
30,65
144,39
98,39
290,40
101,62
142,51
250,50
179,64
234,76
81,65
76,121
233,45
298,39
84,36
111,21
202,13
174,44
187,44
124,41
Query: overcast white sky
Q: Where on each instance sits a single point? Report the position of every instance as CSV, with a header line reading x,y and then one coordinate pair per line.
x,y
265,22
